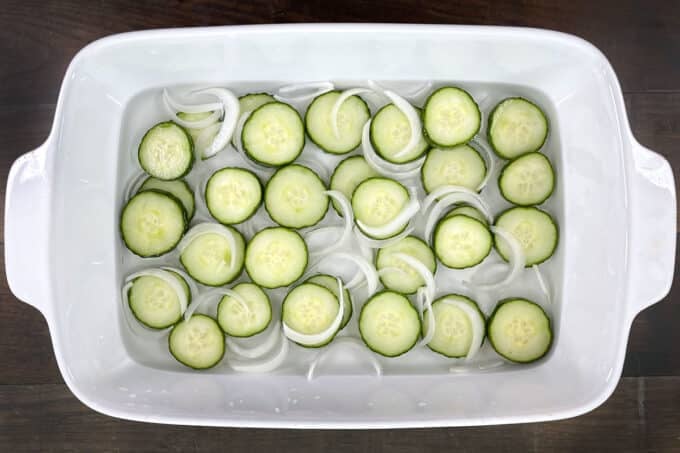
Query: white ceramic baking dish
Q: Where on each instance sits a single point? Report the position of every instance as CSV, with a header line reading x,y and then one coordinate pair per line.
x,y
615,204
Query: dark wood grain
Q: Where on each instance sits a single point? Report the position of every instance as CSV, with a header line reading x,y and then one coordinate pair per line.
x,y
38,40
640,416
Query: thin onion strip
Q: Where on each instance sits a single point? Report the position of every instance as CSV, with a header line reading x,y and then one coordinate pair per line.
x,y
490,163
338,103
517,260
262,365
231,115
203,298
413,120
542,283
348,218
445,203
477,200
303,91
168,278
397,223
190,108
421,270
261,349
210,228
132,322
321,337
382,243
476,322
399,171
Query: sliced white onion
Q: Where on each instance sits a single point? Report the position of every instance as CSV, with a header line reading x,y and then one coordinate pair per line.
x,y
338,103
314,339
190,108
168,278
231,114
422,270
338,343
206,137
517,260
490,163
193,289
134,185
364,250
218,292
542,283
262,365
476,322
446,202
208,228
413,121
301,92
476,199
261,349
236,139
348,218
382,243
369,274
426,307
133,323
397,223
377,163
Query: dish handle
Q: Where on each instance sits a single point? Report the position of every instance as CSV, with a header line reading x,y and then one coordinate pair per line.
x,y
651,254
26,226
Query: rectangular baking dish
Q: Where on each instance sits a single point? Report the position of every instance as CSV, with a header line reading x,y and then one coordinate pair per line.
x,y
616,211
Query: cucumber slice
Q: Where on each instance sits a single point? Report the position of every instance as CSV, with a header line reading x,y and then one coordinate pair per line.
x,y
517,126
453,331
310,309
197,342
389,324
519,330
450,117
377,201
207,257
468,211
391,132
407,281
252,101
194,132
237,320
352,116
295,198
233,195
461,241
273,135
166,151
178,188
527,180
331,284
154,302
152,223
534,229
276,257
459,166
349,173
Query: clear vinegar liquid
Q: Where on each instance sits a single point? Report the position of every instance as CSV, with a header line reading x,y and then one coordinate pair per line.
x,y
151,348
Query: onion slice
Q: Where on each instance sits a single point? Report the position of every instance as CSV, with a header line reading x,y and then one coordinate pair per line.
x,y
193,289
517,260
261,349
338,103
421,270
398,222
542,283
382,243
201,300
210,228
134,185
425,305
231,114
133,323
168,278
413,121
262,365
314,339
400,171
475,199
206,137
338,343
236,138
476,322
366,272
301,92
490,163
190,108
348,218
446,202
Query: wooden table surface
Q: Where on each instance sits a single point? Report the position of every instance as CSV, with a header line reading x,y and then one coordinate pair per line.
x,y
39,38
